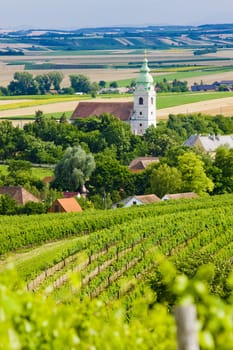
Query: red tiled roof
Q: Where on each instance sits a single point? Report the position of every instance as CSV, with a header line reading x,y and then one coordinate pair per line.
x,y
121,110
148,198
69,205
19,194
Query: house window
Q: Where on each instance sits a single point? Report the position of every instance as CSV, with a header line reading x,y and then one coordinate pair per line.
x,y
140,113
134,203
56,208
152,100
140,100
140,124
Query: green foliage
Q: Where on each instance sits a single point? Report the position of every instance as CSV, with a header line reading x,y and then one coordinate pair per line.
x,y
174,86
193,174
165,179
74,169
222,170
80,83
8,205
23,84
113,85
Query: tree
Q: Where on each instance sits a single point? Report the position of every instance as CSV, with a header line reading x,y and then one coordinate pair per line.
x,y
102,84
110,176
55,79
222,170
80,83
193,174
23,84
8,205
44,83
74,169
113,85
94,89
165,179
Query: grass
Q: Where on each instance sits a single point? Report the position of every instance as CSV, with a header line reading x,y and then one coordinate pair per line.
x,y
177,99
29,263
37,172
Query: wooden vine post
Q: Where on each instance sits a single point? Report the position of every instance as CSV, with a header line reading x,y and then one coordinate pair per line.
x,y
187,333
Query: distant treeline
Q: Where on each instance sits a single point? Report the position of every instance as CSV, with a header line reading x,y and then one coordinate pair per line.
x,y
11,53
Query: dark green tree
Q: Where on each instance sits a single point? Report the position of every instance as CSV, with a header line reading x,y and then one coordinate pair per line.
x,y
23,84
222,170
113,85
102,84
80,83
56,79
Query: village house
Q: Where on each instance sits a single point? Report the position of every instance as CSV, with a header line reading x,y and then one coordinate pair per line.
x,y
141,163
65,205
210,143
136,200
19,194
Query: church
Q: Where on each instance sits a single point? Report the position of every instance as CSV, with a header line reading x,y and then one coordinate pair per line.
x,y
140,113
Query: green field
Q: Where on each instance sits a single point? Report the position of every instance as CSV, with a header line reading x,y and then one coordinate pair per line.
x,y
37,172
177,99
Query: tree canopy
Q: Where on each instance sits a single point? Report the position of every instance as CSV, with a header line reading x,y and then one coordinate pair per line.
x,y
74,169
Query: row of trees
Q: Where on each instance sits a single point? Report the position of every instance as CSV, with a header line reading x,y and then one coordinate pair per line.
x,y
25,84
174,86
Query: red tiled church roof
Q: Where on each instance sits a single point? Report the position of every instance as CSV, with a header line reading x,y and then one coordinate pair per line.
x,y
121,110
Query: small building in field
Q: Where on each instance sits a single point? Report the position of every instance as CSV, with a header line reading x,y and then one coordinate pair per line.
x,y
65,205
210,143
185,195
19,194
141,163
136,200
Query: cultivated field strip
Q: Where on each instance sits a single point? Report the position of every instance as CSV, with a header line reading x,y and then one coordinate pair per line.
x,y
169,233
20,231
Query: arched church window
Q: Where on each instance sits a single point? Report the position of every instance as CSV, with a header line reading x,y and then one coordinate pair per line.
x,y
140,100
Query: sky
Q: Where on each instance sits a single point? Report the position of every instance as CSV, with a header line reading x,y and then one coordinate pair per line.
x,y
71,14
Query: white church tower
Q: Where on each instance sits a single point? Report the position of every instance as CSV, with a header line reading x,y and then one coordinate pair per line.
x,y
144,112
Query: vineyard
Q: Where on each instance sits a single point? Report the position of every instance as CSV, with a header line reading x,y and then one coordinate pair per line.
x,y
123,271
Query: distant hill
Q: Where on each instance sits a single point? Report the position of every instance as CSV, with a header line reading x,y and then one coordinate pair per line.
x,y
108,38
